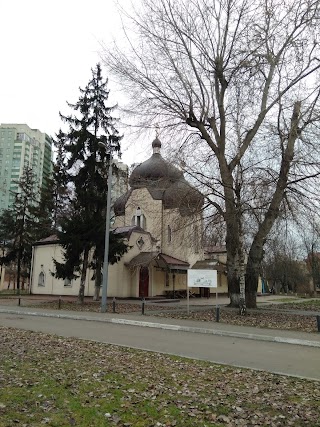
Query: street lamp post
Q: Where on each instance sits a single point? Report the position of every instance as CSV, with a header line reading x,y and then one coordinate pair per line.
x,y
106,242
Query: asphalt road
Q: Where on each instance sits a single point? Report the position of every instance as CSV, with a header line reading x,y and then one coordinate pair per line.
x,y
280,358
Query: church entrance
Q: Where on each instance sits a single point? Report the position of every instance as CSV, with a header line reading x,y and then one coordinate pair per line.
x,y
144,282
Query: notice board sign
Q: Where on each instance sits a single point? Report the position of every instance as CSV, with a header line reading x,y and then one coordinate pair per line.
x,y
202,278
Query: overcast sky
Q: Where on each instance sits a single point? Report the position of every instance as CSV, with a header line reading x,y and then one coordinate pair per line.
x,y
48,48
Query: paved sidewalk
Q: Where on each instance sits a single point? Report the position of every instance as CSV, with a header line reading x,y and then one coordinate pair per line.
x,y
149,321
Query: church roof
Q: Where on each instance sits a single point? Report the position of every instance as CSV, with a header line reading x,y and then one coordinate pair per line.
x,y
47,240
120,204
162,260
172,261
143,258
155,172
164,182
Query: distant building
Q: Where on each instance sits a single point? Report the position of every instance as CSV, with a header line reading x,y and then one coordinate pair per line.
x,y
20,147
119,183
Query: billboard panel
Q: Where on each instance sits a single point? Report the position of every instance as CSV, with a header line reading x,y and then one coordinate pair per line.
x,y
202,278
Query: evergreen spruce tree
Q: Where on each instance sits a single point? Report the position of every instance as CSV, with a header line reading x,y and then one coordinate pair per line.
x,y
7,228
59,186
88,144
17,225
42,213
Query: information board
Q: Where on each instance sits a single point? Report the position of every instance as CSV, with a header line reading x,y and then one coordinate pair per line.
x,y
202,278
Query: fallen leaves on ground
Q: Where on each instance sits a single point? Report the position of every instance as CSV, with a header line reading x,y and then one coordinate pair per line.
x,y
95,306
304,305
53,381
257,318
276,316
261,319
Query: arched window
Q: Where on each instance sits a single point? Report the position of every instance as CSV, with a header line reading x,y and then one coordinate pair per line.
x,y
41,279
196,239
139,219
169,234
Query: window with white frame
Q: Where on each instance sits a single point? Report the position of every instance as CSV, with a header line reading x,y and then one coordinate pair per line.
x,y
139,219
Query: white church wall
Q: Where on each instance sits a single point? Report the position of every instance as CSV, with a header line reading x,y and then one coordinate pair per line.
x,y
42,280
150,208
123,282
185,242
157,279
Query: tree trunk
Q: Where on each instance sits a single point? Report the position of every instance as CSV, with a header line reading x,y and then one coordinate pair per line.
x,y
19,267
96,295
233,288
232,245
314,271
98,280
232,234
242,278
18,275
83,276
256,250
252,278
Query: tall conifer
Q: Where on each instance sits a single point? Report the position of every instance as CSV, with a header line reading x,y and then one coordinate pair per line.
x,y
89,142
18,225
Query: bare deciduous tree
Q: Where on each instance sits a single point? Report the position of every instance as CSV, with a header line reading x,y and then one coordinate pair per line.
x,y
240,78
311,241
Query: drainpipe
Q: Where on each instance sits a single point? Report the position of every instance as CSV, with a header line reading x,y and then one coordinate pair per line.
x,y
173,285
54,257
31,271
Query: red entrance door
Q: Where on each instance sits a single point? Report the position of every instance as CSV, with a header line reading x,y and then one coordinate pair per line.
x,y
144,282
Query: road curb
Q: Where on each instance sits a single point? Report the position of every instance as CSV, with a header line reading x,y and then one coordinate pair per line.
x,y
192,329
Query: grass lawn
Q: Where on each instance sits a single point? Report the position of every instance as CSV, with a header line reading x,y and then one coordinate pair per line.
x,y
4,293
47,380
313,304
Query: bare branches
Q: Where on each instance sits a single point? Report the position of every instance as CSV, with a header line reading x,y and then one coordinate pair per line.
x,y
244,76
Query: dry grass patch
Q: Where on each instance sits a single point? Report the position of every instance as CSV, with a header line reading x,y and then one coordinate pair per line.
x,y
47,380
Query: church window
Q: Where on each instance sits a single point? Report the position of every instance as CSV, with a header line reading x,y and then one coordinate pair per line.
x,y
139,219
196,239
140,243
67,283
169,234
41,278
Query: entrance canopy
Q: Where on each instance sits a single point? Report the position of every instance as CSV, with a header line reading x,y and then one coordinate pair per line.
x,y
163,261
142,259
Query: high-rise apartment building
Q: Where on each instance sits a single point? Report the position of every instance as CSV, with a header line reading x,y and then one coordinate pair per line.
x,y
20,147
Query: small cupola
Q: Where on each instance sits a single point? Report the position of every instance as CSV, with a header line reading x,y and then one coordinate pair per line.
x,y
156,146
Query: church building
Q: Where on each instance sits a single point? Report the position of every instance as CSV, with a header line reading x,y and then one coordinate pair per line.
x,y
161,217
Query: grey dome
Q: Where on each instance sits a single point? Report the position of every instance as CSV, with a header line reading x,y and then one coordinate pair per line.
x,y
164,182
154,172
183,196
